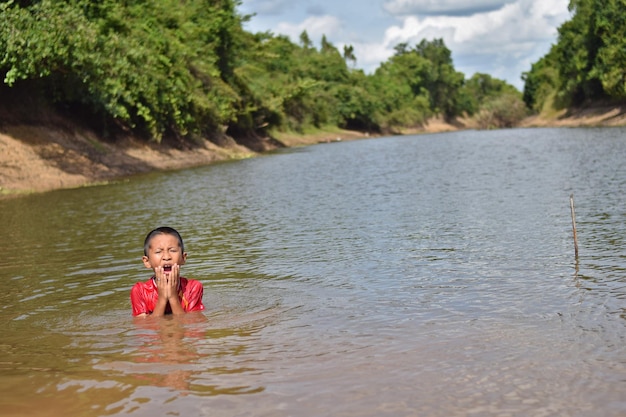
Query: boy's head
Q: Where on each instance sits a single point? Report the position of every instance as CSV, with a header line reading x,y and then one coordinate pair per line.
x,y
162,231
163,248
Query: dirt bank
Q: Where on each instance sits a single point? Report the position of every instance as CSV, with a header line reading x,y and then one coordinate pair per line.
x,y
36,158
609,115
57,154
41,158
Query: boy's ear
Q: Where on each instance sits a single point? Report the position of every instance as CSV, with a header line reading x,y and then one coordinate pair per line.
x,y
146,262
184,258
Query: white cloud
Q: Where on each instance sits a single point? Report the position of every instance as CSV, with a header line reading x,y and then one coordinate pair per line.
x,y
505,29
315,26
495,42
442,7
268,7
502,40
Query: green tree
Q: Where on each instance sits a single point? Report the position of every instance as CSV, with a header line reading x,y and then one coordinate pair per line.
x,y
481,88
441,80
589,54
541,83
171,68
575,53
356,106
399,87
305,40
153,65
418,82
501,111
348,54
610,63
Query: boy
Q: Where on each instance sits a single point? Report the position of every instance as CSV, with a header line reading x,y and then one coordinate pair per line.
x,y
166,292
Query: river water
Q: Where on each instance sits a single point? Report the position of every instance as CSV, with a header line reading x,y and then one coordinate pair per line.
x,y
429,275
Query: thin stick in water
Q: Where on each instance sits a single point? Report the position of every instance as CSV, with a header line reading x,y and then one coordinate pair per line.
x,y
571,205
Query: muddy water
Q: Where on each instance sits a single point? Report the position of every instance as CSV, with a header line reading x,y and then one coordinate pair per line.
x,y
430,275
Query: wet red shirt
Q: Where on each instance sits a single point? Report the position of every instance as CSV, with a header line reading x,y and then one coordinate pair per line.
x,y
144,295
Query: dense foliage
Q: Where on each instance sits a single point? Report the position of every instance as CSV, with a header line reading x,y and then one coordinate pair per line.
x,y
588,62
167,67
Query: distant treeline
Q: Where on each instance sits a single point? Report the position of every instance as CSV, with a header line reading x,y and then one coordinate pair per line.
x,y
588,62
188,69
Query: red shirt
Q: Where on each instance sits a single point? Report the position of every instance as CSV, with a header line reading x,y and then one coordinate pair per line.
x,y
144,295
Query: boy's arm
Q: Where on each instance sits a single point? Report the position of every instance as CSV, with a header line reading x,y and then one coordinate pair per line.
x,y
138,301
175,305
193,296
159,308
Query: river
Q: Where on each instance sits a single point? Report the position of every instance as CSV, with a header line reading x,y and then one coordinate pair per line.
x,y
430,275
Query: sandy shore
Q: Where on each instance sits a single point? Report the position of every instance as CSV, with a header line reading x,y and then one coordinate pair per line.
x,y
596,116
43,158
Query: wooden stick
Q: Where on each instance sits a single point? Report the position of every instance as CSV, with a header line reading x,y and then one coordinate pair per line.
x,y
571,205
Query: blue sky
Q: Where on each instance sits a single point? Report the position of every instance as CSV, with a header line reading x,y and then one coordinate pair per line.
x,y
498,37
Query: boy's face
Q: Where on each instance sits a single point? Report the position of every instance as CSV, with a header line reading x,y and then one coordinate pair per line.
x,y
164,251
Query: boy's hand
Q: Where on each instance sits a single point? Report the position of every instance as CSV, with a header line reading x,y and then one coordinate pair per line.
x,y
167,282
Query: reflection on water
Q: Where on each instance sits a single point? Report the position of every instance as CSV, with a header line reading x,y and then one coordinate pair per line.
x,y
430,275
161,344
173,353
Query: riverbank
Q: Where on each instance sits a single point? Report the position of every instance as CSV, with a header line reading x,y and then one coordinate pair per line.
x,y
609,115
57,155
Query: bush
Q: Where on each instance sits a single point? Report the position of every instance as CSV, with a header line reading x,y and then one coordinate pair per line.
x,y
503,111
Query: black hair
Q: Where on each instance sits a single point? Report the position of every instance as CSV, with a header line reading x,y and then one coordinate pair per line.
x,y
162,231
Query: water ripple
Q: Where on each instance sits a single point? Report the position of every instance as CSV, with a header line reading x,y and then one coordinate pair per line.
x,y
422,275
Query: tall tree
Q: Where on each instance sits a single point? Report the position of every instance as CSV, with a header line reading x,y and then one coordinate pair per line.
x,y
442,81
590,51
348,54
305,40
610,65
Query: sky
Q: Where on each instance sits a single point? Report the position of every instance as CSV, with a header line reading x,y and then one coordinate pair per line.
x,y
502,38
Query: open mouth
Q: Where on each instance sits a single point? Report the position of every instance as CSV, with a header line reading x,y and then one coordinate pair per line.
x,y
167,268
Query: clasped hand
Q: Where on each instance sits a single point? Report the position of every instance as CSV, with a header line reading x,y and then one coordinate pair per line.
x,y
167,282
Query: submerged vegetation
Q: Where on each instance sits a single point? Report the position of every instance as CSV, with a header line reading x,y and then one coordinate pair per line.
x,y
167,68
